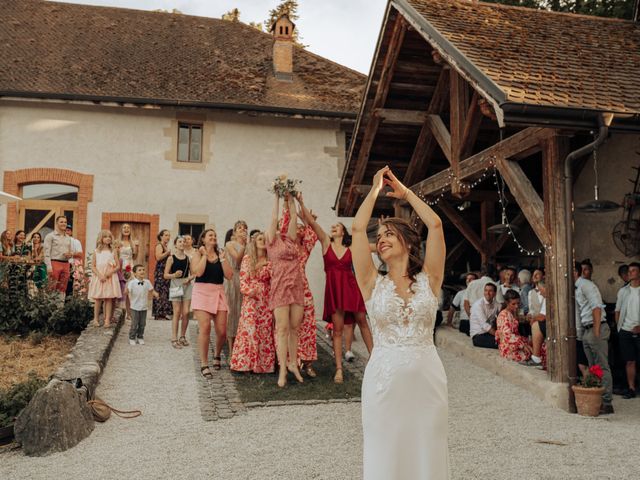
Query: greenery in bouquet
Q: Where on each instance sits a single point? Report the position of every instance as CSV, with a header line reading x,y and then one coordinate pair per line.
x,y
282,186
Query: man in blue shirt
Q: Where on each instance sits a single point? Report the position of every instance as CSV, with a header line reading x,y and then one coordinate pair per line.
x,y
592,327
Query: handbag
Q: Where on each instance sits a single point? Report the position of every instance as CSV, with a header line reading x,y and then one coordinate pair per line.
x,y
102,411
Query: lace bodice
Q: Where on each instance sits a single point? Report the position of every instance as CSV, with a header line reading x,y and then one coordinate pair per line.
x,y
395,324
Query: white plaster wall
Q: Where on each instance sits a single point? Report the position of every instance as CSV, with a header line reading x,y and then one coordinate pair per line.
x,y
593,231
125,150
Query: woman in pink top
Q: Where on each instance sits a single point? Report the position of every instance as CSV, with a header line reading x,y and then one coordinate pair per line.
x,y
286,295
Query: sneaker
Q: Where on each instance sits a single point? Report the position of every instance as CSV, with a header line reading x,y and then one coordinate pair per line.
x,y
530,363
132,342
140,341
349,356
630,393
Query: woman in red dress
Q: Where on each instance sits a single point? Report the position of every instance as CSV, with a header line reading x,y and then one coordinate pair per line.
x,y
511,344
253,349
286,296
307,348
342,298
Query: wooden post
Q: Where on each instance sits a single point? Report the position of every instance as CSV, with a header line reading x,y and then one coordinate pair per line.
x,y
557,268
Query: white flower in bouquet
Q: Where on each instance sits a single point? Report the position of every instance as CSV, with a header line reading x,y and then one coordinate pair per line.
x,y
283,185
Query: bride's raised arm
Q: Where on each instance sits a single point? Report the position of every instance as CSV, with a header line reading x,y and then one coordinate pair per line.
x,y
360,249
436,254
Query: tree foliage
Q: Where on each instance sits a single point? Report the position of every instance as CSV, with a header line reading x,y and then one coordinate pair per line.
x,y
289,8
601,8
232,15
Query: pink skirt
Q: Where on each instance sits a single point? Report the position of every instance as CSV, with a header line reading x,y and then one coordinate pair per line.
x,y
209,297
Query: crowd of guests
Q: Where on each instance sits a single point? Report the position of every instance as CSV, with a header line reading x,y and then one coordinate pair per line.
x,y
510,315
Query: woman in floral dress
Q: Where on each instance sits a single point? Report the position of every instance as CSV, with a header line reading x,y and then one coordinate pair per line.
x,y
162,308
254,348
511,344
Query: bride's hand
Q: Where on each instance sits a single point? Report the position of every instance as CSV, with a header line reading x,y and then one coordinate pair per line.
x,y
378,179
398,190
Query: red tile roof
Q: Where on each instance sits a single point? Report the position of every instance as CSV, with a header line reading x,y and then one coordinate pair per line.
x,y
102,52
542,58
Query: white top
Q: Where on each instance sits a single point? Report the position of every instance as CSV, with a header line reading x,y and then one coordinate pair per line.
x,y
502,289
139,294
76,247
482,314
631,311
543,307
458,302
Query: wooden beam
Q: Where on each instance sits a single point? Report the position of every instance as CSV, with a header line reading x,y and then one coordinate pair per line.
x,y
527,139
558,269
391,57
400,117
487,219
457,120
441,134
462,225
453,254
425,144
526,196
471,127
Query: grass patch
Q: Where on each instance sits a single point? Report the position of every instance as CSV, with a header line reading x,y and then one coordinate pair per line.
x,y
254,387
35,355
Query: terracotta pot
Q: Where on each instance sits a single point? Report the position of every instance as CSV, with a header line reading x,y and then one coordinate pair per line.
x,y
588,400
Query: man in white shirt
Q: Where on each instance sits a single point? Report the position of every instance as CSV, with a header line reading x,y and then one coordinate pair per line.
x,y
475,289
628,323
458,304
482,319
75,261
508,283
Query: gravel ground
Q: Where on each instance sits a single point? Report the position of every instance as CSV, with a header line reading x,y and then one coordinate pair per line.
x,y
494,431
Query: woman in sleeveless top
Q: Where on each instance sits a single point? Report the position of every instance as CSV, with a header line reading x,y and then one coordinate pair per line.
x,y
342,298
178,273
404,390
235,249
128,253
286,296
162,308
208,301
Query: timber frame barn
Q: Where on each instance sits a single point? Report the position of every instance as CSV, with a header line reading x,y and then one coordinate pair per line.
x,y
458,88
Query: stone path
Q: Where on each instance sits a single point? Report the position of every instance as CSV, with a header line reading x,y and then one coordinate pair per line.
x,y
496,431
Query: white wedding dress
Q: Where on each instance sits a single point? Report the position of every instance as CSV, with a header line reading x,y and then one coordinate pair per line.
x,y
404,391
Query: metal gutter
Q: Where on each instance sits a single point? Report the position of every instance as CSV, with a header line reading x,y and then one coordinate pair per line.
x,y
176,103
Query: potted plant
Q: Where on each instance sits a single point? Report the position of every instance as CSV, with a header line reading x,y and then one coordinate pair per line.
x,y
589,391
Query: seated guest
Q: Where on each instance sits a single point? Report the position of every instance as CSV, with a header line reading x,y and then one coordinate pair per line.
x,y
539,325
511,344
475,289
526,285
458,304
508,282
483,317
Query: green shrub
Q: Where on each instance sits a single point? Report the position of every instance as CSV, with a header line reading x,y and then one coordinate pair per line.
x,y
24,309
14,399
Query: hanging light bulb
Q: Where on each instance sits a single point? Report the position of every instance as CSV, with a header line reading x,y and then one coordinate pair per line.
x,y
596,205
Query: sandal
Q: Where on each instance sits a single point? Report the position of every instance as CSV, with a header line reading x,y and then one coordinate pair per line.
x,y
183,341
206,372
216,363
176,344
338,378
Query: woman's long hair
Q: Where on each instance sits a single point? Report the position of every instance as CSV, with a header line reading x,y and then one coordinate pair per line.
x,y
216,248
252,252
101,235
131,239
410,239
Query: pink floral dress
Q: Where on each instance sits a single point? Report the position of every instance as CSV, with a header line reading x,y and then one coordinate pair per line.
x,y
510,343
254,349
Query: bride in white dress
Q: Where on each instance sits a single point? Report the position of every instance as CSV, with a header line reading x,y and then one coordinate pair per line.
x,y
404,391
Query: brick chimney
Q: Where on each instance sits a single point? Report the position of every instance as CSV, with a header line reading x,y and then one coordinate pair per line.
x,y
282,31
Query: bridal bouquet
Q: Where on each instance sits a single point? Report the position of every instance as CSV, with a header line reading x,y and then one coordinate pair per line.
x,y
283,185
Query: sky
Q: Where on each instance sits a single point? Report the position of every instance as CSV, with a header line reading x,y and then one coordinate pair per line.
x,y
345,31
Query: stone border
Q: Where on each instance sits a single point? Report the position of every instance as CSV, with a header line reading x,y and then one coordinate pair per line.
x,y
219,397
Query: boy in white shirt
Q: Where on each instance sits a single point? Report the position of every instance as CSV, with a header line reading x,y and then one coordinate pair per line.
x,y
140,292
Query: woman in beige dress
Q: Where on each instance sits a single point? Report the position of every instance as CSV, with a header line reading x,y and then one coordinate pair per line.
x,y
235,249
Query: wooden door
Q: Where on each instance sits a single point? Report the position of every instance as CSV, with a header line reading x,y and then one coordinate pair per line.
x,y
139,232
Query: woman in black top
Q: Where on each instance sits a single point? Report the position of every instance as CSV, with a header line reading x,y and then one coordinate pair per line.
x,y
208,300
